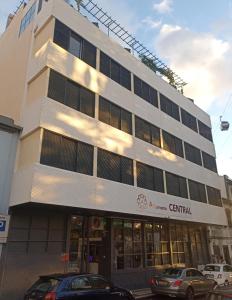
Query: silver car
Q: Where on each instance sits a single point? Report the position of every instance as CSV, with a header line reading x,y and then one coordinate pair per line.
x,y
181,282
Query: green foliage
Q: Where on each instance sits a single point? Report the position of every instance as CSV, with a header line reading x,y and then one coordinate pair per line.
x,y
150,63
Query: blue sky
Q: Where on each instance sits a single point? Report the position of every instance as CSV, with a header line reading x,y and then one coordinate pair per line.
x,y
195,39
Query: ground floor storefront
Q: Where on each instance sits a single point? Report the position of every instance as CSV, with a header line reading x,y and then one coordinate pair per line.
x,y
125,248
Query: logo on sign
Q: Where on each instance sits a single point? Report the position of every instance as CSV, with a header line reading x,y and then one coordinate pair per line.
x,y
2,226
142,201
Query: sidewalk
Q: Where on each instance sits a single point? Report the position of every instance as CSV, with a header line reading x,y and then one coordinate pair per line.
x,y
142,293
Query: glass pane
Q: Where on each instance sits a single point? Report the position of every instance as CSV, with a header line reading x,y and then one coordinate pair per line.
x,y
75,45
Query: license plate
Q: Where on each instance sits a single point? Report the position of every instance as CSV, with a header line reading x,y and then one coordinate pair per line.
x,y
162,283
209,276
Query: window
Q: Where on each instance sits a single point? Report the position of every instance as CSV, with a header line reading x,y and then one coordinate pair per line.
x,y
115,116
64,153
145,91
73,43
193,273
227,268
176,185
115,71
205,131
80,283
209,162
40,6
172,144
214,196
149,177
197,191
99,282
127,248
157,250
27,19
188,120
192,154
169,107
147,132
115,167
179,244
71,94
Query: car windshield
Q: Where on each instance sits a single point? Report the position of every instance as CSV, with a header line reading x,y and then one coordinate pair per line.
x,y
212,268
44,285
172,273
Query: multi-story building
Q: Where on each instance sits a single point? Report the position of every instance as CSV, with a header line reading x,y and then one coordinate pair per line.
x,y
220,237
116,170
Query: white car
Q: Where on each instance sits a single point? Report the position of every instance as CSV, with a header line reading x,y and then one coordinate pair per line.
x,y
221,273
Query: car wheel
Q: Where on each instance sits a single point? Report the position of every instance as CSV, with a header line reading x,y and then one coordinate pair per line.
x,y
189,294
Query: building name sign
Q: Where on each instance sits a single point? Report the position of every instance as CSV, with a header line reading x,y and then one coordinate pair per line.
x,y
144,204
180,209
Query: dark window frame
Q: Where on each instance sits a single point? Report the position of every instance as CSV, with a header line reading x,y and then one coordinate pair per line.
x,y
192,154
55,156
209,162
189,120
179,190
66,45
105,171
197,191
122,118
154,139
150,95
80,104
156,178
107,69
205,131
214,196
169,107
172,144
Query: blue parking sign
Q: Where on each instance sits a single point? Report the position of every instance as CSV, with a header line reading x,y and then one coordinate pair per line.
x,y
2,225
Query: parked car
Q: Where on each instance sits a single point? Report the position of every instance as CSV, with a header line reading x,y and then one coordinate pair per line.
x,y
76,286
221,273
181,282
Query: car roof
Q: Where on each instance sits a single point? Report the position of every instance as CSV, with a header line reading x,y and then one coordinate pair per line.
x,y
65,275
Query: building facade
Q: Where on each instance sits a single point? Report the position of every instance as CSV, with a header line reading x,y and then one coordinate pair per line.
x,y
116,170
220,237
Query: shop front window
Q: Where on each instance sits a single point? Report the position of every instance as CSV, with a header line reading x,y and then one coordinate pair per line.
x,y
127,240
75,248
179,244
156,245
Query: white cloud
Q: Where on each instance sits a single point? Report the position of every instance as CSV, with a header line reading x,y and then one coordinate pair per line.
x,y
164,7
201,59
224,165
152,24
121,11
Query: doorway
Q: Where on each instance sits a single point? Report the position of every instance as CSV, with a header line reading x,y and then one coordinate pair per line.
x,y
89,247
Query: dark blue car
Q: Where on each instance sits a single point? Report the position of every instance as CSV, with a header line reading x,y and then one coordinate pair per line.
x,y
73,286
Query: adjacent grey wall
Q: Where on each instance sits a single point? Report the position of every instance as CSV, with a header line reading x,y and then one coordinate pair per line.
x,y
8,145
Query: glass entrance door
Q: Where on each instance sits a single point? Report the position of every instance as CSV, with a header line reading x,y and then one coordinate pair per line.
x,y
88,247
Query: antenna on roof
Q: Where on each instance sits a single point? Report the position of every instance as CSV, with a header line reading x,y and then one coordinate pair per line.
x,y
112,25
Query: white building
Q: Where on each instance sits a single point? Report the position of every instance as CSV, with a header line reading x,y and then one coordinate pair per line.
x,y
115,167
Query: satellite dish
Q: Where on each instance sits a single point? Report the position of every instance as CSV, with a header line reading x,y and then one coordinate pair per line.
x,y
224,125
